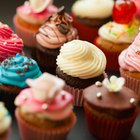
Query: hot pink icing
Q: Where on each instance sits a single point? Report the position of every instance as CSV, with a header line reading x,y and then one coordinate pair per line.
x,y
60,102
10,43
27,14
137,2
129,59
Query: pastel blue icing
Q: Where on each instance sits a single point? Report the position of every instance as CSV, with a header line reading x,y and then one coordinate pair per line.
x,y
15,70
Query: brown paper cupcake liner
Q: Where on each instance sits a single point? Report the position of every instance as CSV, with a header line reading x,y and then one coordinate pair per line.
x,y
131,82
30,132
109,129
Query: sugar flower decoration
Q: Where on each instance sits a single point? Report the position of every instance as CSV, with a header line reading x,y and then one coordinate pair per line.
x,y
114,84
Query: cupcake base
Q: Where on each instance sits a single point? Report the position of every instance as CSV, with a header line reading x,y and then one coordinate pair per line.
x,y
109,129
31,132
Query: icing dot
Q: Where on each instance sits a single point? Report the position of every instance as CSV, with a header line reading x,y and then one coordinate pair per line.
x,y
44,106
133,101
98,84
99,95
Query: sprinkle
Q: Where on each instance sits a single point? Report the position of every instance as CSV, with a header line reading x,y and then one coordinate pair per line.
x,y
44,106
133,101
63,95
98,84
24,97
137,52
4,43
99,95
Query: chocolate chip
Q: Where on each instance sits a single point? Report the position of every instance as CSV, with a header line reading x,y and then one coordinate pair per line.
x,y
63,28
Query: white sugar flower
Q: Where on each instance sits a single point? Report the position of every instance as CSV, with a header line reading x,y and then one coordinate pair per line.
x,y
114,84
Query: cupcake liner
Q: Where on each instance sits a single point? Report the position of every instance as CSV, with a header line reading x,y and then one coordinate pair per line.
x,y
109,129
26,34
131,82
77,94
5,135
29,132
85,32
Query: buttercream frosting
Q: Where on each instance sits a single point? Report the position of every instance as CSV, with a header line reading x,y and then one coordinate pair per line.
x,y
51,103
119,33
10,43
57,30
15,70
129,59
5,118
36,11
93,8
81,59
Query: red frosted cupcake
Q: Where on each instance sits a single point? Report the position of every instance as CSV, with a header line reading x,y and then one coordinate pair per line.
x,y
89,15
10,43
30,16
110,108
56,31
129,61
44,111
80,64
117,35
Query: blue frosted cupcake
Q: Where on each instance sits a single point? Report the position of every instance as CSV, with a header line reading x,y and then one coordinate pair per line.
x,y
13,73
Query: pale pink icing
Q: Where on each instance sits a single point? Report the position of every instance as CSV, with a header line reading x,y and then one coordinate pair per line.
x,y
129,59
10,43
49,36
26,13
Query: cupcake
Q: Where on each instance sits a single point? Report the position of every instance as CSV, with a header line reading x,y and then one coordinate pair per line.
x,y
89,15
80,64
13,73
117,35
5,122
30,16
129,61
44,111
110,108
56,31
10,43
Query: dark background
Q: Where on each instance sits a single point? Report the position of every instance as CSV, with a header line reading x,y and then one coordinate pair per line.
x,y
80,131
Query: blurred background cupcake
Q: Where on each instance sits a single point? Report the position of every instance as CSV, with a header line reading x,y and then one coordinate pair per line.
x,y
129,61
30,16
80,64
10,43
89,15
5,122
13,73
118,34
44,111
111,109
56,31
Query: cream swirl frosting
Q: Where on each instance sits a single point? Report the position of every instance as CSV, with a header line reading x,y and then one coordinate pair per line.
x,y
129,59
56,31
93,8
81,59
119,33
5,118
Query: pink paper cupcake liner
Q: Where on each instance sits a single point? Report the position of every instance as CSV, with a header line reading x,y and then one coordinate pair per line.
x,y
29,132
26,34
131,82
109,129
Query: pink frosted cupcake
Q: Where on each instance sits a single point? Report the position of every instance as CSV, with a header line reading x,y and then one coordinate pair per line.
x,y
44,110
80,64
129,61
111,109
10,43
30,16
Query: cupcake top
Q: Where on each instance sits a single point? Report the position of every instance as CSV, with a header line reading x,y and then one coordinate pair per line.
x,y
81,59
119,33
36,11
93,8
129,59
111,97
45,98
15,70
10,43
5,118
57,30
